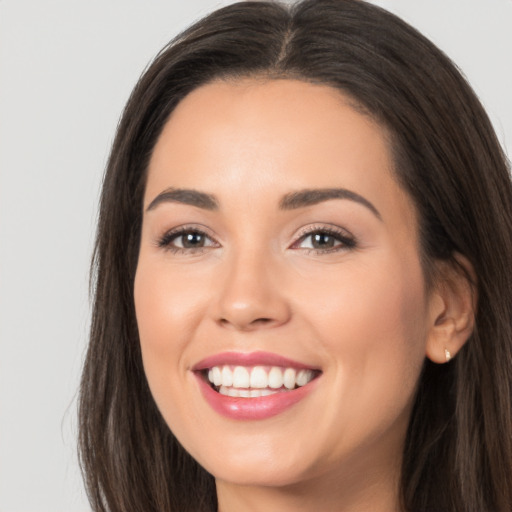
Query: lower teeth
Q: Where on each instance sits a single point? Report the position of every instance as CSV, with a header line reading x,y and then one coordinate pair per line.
x,y
247,392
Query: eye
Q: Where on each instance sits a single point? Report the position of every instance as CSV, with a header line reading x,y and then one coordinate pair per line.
x,y
186,240
323,240
190,240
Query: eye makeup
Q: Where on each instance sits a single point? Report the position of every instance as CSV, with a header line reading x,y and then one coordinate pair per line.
x,y
187,239
324,239
318,238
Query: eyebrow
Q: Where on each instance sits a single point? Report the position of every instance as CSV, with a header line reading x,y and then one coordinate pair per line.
x,y
308,197
291,201
185,196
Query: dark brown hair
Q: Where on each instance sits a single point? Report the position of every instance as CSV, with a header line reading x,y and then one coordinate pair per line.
x,y
458,453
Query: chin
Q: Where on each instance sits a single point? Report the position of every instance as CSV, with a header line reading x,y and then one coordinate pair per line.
x,y
258,460
267,474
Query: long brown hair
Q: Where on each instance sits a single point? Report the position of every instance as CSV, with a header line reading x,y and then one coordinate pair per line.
x,y
458,453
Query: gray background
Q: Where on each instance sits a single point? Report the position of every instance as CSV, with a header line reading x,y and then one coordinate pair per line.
x,y
66,69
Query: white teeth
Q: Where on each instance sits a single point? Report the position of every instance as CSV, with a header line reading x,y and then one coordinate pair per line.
x,y
275,378
289,378
227,376
232,391
259,377
245,393
257,381
217,376
240,377
303,377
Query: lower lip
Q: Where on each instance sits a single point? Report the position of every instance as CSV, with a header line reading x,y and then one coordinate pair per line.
x,y
257,408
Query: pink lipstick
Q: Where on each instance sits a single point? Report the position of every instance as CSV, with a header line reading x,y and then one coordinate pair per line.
x,y
256,385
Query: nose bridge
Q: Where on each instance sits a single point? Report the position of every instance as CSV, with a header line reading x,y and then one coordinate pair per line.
x,y
250,296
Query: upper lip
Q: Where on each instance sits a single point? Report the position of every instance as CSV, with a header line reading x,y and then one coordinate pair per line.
x,y
249,359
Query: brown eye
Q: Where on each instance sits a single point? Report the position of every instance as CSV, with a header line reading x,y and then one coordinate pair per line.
x,y
190,240
325,240
186,240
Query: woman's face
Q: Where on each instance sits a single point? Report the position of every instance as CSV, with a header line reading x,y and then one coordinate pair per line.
x,y
279,258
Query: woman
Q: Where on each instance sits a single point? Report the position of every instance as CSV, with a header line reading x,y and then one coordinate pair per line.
x,y
303,298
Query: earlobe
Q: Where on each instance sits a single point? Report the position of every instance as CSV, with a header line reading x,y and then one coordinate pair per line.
x,y
452,309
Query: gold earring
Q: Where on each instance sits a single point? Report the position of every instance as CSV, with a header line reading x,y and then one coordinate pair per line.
x,y
447,354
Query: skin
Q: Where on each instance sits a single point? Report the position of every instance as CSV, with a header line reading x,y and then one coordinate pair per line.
x,y
361,314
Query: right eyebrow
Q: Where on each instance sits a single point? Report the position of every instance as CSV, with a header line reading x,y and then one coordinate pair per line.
x,y
308,197
185,196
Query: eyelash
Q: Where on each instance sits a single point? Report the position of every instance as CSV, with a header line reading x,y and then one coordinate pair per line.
x,y
347,241
166,241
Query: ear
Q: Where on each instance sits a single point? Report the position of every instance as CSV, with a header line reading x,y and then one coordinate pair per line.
x,y
452,309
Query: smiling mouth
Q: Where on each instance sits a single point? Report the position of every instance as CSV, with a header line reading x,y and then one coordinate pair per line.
x,y
257,381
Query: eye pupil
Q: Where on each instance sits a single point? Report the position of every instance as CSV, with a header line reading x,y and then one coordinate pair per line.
x,y
322,240
193,240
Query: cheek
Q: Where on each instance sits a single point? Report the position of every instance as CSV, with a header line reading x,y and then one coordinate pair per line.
x,y
168,309
370,303
372,324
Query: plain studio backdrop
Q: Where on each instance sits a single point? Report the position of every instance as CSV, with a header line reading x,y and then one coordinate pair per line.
x,y
66,70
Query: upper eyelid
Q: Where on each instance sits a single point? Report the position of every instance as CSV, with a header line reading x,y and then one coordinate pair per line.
x,y
186,228
327,227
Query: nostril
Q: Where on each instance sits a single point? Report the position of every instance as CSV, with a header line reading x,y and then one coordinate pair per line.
x,y
261,321
257,322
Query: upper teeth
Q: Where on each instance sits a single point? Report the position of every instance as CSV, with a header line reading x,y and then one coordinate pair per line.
x,y
259,377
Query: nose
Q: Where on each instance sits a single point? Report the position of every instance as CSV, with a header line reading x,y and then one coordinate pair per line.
x,y
252,295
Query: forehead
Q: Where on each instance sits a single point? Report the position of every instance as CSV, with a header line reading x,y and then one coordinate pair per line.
x,y
251,138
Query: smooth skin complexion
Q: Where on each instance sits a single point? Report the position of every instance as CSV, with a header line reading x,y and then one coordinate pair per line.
x,y
273,224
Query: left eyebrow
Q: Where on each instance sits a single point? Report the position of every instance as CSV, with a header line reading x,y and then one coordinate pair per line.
x,y
309,197
185,196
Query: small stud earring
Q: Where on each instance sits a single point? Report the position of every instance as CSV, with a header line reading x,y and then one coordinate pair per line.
x,y
447,354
